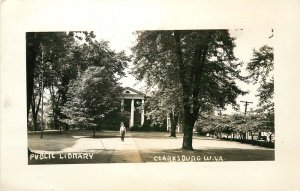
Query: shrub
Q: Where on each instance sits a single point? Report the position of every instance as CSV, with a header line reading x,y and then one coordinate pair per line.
x,y
254,142
148,127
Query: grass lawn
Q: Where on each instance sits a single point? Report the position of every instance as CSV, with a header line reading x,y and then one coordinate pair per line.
x,y
216,155
74,147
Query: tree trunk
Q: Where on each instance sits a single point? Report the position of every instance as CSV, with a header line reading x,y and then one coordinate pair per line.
x,y
32,48
252,138
190,79
34,116
54,108
188,125
55,121
173,119
66,127
35,110
35,124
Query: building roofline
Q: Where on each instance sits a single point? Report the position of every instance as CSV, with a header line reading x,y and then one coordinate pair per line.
x,y
136,91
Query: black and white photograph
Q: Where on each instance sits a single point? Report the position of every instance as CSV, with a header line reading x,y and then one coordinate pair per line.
x,y
168,96
149,95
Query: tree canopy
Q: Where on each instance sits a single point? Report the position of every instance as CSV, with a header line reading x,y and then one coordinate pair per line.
x,y
198,64
260,70
91,97
57,60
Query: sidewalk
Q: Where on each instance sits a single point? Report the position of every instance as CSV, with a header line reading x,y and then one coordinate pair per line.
x,y
126,151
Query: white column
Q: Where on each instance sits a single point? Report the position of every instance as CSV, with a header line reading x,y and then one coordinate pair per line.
x,y
132,114
168,123
142,113
122,105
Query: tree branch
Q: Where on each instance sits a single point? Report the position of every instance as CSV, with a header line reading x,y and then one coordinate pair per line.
x,y
198,65
182,75
182,69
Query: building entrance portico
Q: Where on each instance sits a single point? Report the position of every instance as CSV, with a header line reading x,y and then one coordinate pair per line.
x,y
133,102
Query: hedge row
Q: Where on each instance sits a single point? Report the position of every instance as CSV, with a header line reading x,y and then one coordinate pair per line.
x,y
253,142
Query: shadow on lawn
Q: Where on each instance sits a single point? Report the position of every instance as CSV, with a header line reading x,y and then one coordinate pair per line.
x,y
213,154
51,141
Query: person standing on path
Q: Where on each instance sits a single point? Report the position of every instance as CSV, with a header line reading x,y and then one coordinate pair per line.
x,y
122,131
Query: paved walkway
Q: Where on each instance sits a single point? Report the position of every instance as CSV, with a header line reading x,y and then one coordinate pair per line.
x,y
126,151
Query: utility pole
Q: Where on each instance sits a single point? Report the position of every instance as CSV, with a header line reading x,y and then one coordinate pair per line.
x,y
246,104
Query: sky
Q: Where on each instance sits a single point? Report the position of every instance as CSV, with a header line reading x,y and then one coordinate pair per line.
x,y
246,40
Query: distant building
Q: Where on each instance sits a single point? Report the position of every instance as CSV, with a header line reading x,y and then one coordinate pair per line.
x,y
133,102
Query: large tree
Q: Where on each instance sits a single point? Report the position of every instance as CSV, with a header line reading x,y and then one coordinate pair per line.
x,y
261,69
54,59
45,52
163,103
32,48
200,63
91,97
